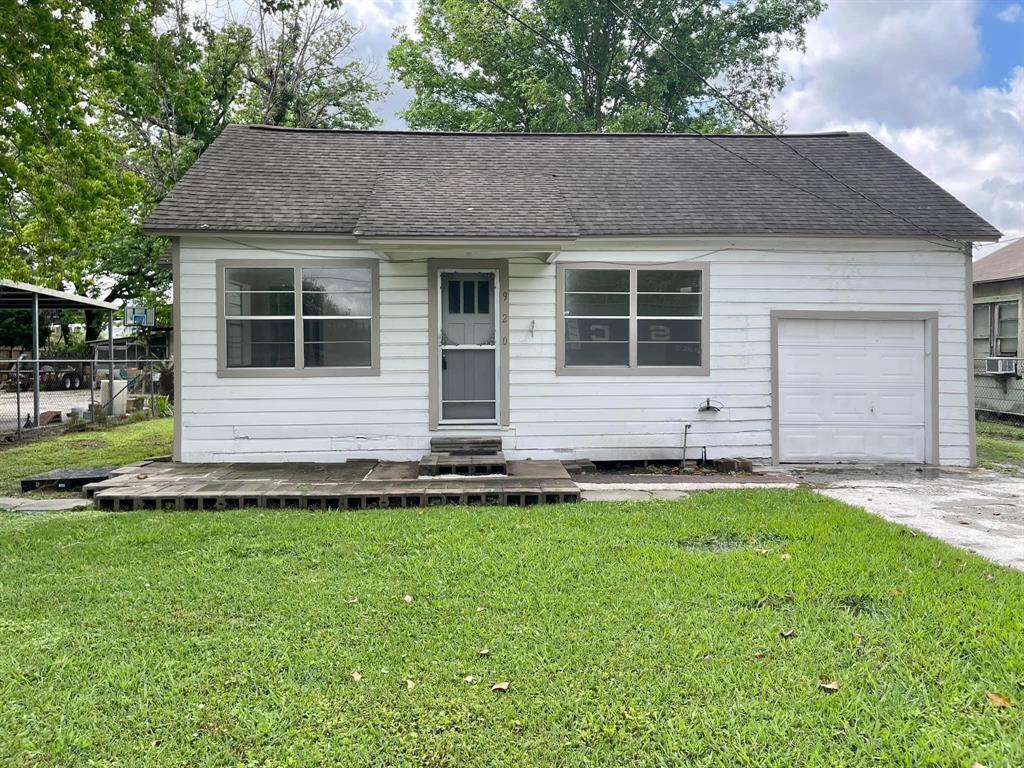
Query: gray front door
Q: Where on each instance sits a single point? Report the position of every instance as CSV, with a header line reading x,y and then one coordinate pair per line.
x,y
468,351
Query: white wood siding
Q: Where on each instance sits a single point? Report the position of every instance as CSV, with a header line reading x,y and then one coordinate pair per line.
x,y
328,419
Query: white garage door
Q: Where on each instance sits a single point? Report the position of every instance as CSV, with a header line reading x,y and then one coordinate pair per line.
x,y
852,390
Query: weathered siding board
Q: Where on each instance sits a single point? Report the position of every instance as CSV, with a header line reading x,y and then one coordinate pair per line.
x,y
326,419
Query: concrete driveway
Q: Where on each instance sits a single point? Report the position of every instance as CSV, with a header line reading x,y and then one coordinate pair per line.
x,y
975,509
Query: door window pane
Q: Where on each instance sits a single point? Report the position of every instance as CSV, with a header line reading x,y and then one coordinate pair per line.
x,y
454,297
483,297
260,343
469,297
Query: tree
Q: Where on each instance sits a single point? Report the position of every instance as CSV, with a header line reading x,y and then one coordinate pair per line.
x,y
105,104
302,72
472,68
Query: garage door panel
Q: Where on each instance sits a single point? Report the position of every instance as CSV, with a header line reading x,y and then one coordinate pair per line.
x,y
817,405
827,365
866,333
852,390
853,444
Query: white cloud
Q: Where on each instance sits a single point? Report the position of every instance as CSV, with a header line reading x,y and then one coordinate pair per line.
x,y
892,69
1011,14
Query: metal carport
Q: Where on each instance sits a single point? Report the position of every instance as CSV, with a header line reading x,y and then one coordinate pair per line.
x,y
36,299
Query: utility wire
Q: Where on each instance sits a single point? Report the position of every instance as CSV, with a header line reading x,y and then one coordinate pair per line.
x,y
763,126
671,117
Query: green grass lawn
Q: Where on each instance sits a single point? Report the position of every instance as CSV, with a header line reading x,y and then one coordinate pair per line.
x,y
630,634
1000,445
93,448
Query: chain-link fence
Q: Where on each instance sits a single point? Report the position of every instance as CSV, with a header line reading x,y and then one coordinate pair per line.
x,y
36,394
999,386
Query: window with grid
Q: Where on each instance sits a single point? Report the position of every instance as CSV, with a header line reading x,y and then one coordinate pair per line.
x,y
632,318
298,317
996,327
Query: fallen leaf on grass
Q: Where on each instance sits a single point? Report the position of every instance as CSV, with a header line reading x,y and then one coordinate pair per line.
x,y
998,700
500,687
410,683
763,552
484,652
758,655
352,601
480,609
977,765
989,577
830,687
785,556
469,679
857,639
408,598
356,676
788,633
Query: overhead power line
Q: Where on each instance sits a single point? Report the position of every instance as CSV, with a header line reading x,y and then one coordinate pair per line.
x,y
671,117
764,126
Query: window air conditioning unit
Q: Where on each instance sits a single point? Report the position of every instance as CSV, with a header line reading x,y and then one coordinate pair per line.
x,y
1003,365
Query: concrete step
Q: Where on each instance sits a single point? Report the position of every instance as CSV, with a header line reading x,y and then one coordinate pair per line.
x,y
438,463
466,446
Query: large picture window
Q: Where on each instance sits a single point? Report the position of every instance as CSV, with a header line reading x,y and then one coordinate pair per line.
x,y
996,329
304,318
625,319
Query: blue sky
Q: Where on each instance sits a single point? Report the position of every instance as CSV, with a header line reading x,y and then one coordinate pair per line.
x,y
941,82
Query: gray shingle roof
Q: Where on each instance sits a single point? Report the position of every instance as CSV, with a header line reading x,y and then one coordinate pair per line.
x,y
1005,264
395,184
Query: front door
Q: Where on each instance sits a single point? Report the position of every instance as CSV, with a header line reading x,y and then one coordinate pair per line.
x,y
468,350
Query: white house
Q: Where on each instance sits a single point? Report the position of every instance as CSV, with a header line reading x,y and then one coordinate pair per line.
x,y
354,294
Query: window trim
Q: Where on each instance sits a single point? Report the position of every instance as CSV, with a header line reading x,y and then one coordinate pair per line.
x,y
298,370
704,369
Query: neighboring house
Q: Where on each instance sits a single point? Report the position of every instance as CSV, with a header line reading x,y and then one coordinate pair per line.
x,y
354,294
998,339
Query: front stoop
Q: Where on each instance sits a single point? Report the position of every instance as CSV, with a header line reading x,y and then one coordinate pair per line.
x,y
464,456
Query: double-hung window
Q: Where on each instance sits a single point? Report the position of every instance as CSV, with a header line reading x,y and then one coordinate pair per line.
x,y
304,319
996,329
632,319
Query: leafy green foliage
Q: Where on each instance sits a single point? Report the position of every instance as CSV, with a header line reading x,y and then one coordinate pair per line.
x,y
472,68
105,104
231,638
